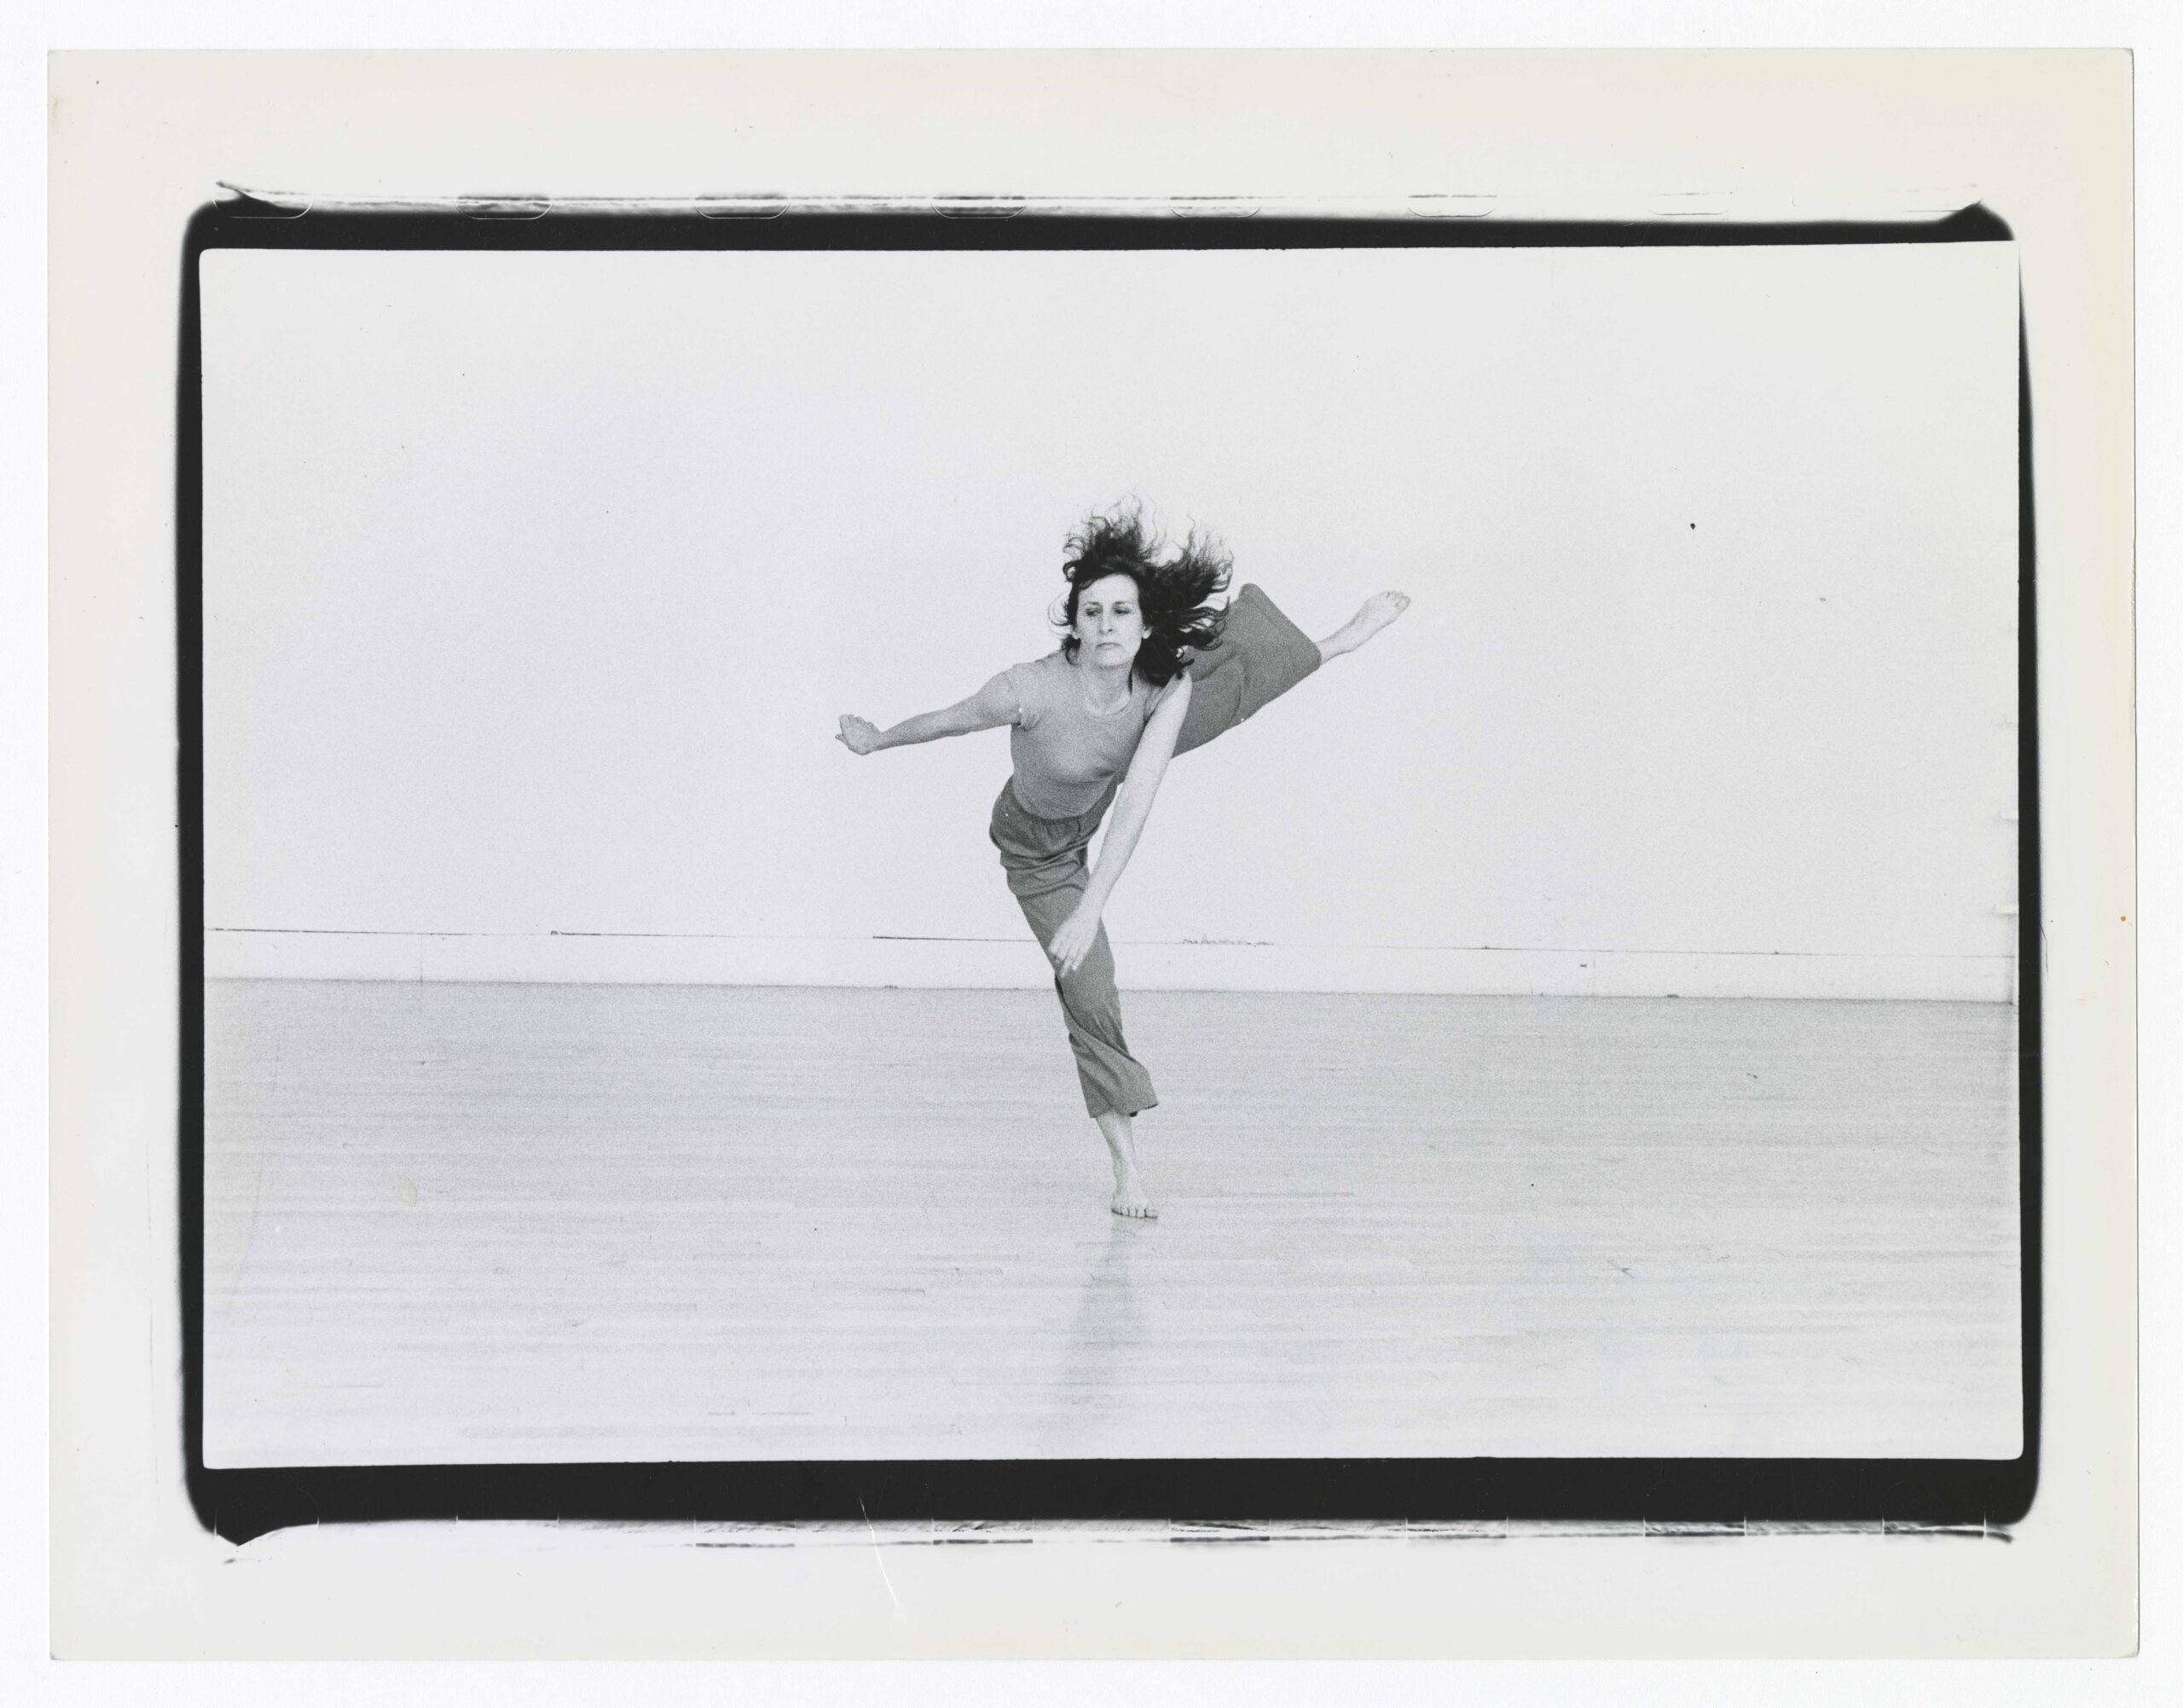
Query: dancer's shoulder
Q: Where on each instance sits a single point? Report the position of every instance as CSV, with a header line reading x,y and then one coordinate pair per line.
x,y
1035,682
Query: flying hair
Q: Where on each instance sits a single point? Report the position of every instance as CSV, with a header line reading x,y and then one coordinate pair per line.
x,y
1173,586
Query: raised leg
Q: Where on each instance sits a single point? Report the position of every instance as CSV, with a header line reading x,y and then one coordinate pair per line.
x,y
1372,615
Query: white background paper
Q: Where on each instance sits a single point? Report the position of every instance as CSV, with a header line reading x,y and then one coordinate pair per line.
x,y
1694,25
534,585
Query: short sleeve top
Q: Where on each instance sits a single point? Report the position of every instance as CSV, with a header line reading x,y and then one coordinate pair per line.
x,y
1066,752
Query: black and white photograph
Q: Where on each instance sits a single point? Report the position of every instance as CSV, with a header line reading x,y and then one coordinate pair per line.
x,y
1032,855
1003,850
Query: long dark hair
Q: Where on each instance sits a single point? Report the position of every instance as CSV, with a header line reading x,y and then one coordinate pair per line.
x,y
1171,590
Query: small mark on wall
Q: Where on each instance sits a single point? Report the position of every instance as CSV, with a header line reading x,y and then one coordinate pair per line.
x,y
406,1189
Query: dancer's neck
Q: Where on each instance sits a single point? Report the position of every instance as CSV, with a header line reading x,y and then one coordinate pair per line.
x,y
1106,687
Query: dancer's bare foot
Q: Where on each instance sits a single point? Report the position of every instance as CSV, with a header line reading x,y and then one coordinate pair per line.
x,y
1130,1197
1372,615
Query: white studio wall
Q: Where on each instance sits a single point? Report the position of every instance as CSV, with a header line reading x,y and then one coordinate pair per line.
x,y
534,584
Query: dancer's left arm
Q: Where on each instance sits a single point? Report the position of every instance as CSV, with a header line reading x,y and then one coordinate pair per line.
x,y
1132,806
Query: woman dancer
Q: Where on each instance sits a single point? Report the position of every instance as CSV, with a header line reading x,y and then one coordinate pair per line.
x,y
1145,670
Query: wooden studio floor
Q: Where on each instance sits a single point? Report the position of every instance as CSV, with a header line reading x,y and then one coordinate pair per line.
x,y
542,1223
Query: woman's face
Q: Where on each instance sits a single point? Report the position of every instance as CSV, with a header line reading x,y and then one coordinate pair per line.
x,y
1109,625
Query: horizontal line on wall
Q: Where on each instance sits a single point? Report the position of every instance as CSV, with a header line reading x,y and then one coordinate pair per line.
x,y
1119,942
995,964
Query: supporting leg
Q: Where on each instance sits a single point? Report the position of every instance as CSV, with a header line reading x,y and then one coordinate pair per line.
x,y
1372,615
1091,1009
1130,1196
1048,873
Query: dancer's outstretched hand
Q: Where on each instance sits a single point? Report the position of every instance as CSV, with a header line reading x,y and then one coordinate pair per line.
x,y
858,735
1073,942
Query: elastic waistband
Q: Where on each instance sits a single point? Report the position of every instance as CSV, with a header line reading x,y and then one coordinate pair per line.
x,y
1093,813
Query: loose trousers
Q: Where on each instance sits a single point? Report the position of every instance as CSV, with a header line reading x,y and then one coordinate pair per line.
x,y
1261,655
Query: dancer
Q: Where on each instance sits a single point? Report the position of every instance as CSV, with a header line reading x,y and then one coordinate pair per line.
x,y
1146,669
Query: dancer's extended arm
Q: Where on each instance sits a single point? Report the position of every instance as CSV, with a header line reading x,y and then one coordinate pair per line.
x,y
1132,806
992,706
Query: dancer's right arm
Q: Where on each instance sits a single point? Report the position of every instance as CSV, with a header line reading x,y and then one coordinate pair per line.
x,y
992,706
